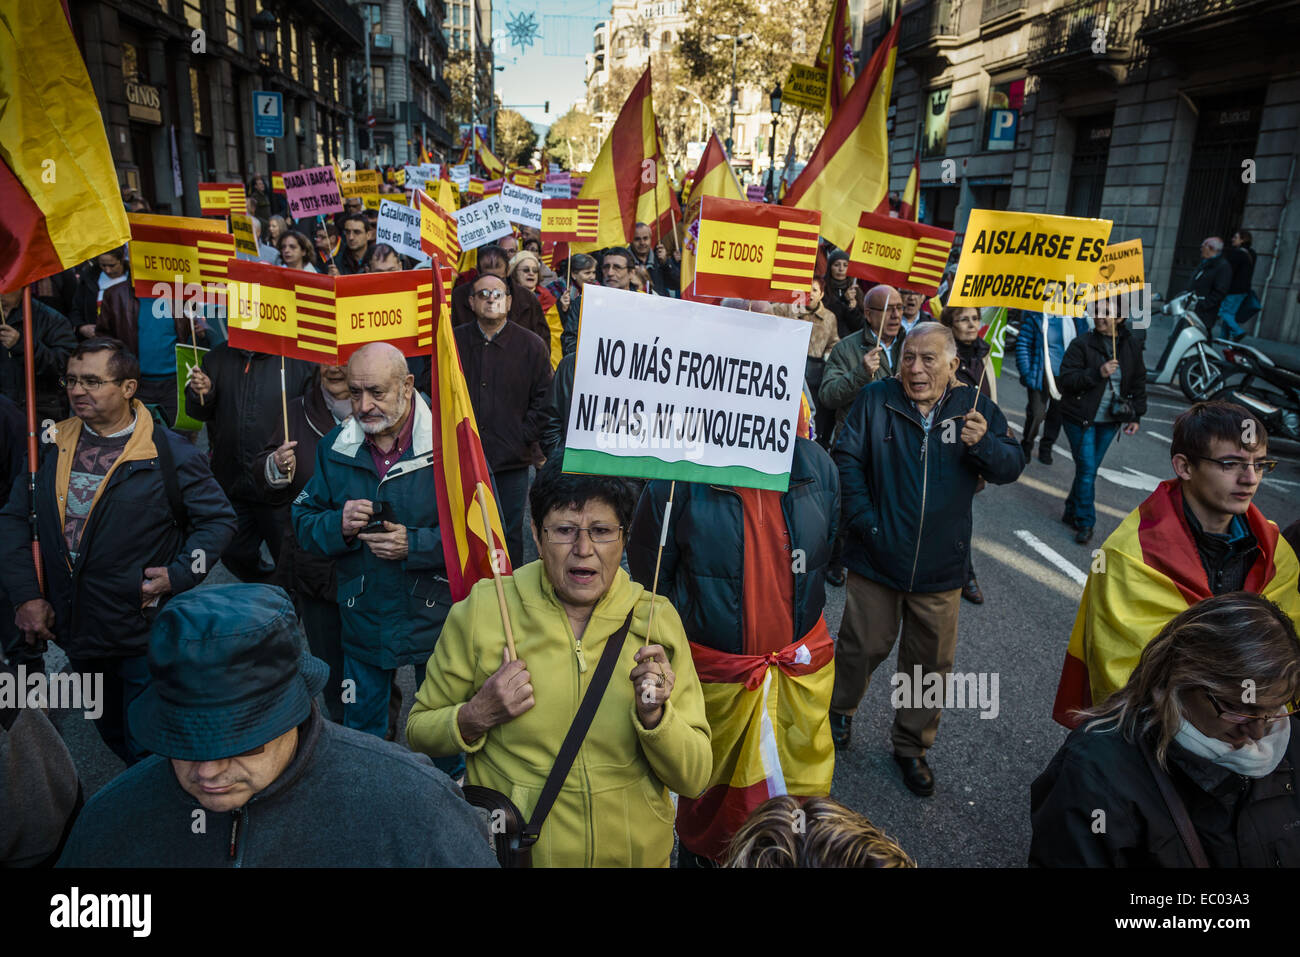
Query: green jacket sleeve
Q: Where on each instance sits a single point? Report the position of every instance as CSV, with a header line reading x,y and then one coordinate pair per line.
x,y
844,377
451,678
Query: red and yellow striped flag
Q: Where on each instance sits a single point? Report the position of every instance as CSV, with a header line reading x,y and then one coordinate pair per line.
x,y
282,312
393,307
849,169
570,220
487,159
1152,573
460,468
59,199
222,199
713,177
754,250
900,252
836,56
551,310
166,260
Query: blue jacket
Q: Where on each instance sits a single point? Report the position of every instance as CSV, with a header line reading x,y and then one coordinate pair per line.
x,y
1030,351
906,494
392,610
703,565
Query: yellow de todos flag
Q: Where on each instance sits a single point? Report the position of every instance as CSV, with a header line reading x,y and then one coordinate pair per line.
x,y
849,169
713,177
59,199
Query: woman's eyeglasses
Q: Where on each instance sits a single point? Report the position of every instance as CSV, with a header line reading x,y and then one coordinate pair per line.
x,y
1234,717
568,534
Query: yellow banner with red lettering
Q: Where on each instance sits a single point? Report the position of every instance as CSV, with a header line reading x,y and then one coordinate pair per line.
x,y
393,307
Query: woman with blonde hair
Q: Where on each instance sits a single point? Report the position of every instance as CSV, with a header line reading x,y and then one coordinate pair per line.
x,y
820,832
1192,763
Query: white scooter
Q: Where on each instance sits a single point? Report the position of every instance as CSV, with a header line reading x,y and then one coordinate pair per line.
x,y
1192,358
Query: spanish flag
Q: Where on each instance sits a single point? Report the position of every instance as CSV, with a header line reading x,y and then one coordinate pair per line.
x,y
492,166
551,310
1152,572
59,199
460,468
628,196
836,57
849,169
713,177
770,732
909,206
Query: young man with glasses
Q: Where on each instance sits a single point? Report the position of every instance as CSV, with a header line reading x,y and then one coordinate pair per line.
x,y
1197,535
508,371
616,268
113,546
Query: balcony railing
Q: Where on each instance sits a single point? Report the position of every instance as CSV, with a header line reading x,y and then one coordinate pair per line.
x,y
1175,13
938,18
344,17
1084,29
997,8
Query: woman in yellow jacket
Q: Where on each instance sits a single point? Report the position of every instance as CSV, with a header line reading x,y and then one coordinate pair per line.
x,y
649,735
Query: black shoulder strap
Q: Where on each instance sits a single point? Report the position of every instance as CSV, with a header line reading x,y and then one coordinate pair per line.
x,y
1186,830
167,465
577,732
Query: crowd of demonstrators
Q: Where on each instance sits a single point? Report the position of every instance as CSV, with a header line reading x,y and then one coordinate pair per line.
x,y
1103,391
823,338
1040,346
525,308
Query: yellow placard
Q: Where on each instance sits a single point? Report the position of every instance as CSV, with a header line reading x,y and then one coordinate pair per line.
x,y
1031,261
559,220
242,228
734,249
1121,269
176,222
805,86
164,262
260,307
883,250
376,317
214,198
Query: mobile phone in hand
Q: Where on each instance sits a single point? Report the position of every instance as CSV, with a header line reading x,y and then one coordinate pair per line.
x,y
384,514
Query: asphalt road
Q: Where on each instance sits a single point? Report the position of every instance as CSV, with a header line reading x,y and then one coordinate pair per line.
x,y
1031,572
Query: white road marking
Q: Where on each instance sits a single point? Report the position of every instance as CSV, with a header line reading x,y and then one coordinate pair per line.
x,y
1157,435
1052,490
1129,478
1167,405
1053,556
1033,570
1269,480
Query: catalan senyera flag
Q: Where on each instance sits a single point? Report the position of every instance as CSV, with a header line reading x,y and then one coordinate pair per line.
x,y
1152,573
849,169
617,178
393,307
570,220
460,468
836,56
476,184
487,159
551,310
902,253
185,256
754,250
222,199
909,204
769,731
280,311
59,199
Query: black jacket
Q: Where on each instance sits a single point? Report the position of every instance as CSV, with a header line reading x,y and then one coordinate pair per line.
x,y
907,495
1227,561
555,412
297,570
1211,281
97,601
666,277
347,799
703,564
55,342
243,410
1080,380
1241,822
507,380
1242,261
848,319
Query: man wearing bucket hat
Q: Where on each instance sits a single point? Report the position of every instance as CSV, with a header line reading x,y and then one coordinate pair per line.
x,y
245,771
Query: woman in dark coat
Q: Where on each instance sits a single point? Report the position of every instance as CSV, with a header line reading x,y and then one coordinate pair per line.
x,y
1103,385
842,295
1229,760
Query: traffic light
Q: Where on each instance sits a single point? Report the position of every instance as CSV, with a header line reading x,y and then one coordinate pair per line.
x,y
547,107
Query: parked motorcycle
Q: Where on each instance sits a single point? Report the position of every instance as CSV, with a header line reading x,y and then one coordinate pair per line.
x,y
1269,386
1192,357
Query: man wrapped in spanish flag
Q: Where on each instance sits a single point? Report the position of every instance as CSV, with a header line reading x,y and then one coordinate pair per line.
x,y
746,570
1196,536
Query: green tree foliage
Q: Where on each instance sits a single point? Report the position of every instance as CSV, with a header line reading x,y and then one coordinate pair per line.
x,y
516,138
573,139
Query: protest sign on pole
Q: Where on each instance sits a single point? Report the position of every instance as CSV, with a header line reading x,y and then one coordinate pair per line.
x,y
393,307
362,183
241,227
187,356
523,206
312,192
559,190
437,231
805,86
682,390
459,176
570,220
1031,261
418,172
176,222
480,223
1121,270
754,250
900,253
281,312
178,265
399,227
221,199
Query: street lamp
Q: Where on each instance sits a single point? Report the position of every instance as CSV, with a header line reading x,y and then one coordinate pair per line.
x,y
774,99
736,40
265,28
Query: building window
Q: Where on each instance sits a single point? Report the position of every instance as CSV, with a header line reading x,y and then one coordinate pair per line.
x,y
935,141
375,13
293,49
317,66
378,90
1003,114
234,26
196,102
666,40
193,11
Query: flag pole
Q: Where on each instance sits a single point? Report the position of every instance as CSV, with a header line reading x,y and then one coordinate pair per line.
x,y
194,341
284,409
29,375
663,540
496,573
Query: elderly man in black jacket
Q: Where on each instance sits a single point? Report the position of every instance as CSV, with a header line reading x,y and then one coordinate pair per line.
x,y
240,745
237,393
910,455
128,514
1212,280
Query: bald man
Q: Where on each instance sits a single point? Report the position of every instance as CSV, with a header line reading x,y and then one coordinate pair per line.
x,y
865,356
371,505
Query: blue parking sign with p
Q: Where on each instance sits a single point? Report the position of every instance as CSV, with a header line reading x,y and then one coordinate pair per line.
x,y
268,113
1002,129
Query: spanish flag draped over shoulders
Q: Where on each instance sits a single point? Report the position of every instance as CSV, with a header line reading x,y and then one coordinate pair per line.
x,y
1151,573
551,310
59,199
